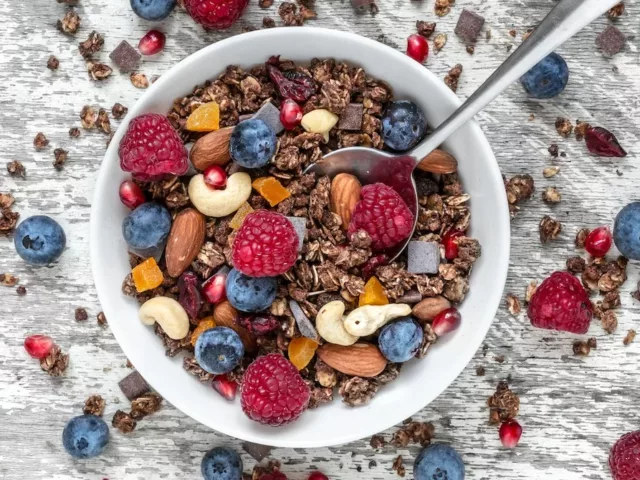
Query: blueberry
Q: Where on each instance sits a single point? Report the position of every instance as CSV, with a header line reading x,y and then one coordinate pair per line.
x,y
438,462
399,341
403,125
221,463
146,230
626,231
153,9
85,436
40,240
250,294
253,143
219,350
548,78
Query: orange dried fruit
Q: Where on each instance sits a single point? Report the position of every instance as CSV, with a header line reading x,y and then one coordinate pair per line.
x,y
301,351
373,294
271,190
204,324
147,275
238,218
205,118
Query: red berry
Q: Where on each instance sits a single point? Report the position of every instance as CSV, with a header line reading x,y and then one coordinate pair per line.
x,y
38,346
295,85
277,475
273,392
446,321
225,387
561,303
290,114
417,47
151,149
450,242
214,289
131,195
599,241
510,433
152,43
215,14
624,458
215,177
318,476
266,245
382,213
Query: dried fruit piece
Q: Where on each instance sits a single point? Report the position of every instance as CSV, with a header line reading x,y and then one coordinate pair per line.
x,y
373,294
294,85
603,143
189,296
301,351
204,324
147,275
271,190
205,118
260,324
238,218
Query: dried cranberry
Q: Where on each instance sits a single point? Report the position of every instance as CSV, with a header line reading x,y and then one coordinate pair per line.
x,y
294,85
603,143
259,324
189,297
374,262
450,242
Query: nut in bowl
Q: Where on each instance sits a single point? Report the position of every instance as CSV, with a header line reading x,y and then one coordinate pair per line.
x,y
269,302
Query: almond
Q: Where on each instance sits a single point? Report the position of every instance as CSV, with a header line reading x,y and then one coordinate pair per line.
x,y
185,240
427,309
226,316
438,161
361,359
345,194
212,149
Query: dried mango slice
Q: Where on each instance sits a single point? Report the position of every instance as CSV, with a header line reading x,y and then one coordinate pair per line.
x,y
204,324
238,218
205,118
373,294
147,275
271,190
301,351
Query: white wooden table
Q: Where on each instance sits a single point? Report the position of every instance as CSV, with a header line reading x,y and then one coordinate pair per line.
x,y
573,408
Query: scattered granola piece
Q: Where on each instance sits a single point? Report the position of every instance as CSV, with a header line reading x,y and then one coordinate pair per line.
x,y
609,321
70,23
8,280
103,122
513,304
125,57
581,129
439,41
256,451
377,441
94,405
102,319
53,63
480,371
93,44
74,132
443,7
631,335
88,117
55,363
425,29
413,432
6,200
123,422
133,385
611,40
581,237
118,111
8,221
551,195
451,80
16,169
139,80
356,391
470,49
288,13
581,348
469,26
503,404
21,290
592,343
513,32
398,466
99,71
81,315
519,188
268,22
616,11
531,289
60,158
550,171
265,3
499,359
549,229
576,264
564,126
553,149
145,405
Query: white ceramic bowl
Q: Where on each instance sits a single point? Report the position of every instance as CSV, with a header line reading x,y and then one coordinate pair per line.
x,y
420,381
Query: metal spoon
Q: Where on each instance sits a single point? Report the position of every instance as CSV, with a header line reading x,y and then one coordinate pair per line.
x,y
372,166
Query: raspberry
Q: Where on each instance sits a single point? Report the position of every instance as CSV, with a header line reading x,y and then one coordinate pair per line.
x,y
624,459
266,245
561,303
152,149
215,14
273,392
382,213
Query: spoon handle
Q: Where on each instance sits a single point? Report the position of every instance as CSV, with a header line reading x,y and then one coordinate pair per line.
x,y
566,19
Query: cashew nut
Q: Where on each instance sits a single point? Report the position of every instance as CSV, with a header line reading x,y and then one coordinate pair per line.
x,y
330,326
168,313
220,203
366,320
319,121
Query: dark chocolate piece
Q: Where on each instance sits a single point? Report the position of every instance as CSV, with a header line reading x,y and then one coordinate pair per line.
x,y
611,41
469,26
270,114
256,451
351,119
133,385
423,257
125,57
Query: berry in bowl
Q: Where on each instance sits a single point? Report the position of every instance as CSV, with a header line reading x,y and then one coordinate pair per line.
x,y
276,284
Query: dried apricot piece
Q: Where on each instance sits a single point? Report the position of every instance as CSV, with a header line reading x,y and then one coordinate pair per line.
x,y
147,275
373,294
204,324
271,190
301,351
205,118
238,218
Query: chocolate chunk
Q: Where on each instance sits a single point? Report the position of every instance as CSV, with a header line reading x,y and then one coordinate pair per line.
x,y
611,41
304,324
125,57
423,257
258,452
270,114
469,26
133,385
351,119
410,297
300,226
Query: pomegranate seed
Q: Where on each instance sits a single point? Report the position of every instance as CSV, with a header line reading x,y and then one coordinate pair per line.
x,y
152,43
290,114
510,433
38,346
446,321
318,476
215,177
599,241
417,47
449,240
131,195
214,289
225,387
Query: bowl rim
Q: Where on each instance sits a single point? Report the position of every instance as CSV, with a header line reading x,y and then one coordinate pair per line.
x,y
500,266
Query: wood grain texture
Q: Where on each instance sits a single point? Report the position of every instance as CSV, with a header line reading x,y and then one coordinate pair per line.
x,y
572,410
